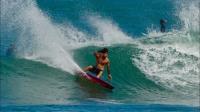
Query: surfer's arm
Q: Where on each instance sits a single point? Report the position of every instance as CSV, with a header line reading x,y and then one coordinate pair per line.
x,y
108,70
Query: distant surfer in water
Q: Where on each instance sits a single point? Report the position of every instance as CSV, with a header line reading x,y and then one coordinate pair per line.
x,y
162,25
101,61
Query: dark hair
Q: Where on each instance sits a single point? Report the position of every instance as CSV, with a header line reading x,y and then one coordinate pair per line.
x,y
104,50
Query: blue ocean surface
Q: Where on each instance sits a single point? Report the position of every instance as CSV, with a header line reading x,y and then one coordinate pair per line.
x,y
99,108
45,42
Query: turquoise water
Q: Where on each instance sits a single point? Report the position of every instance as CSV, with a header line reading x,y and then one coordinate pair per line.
x,y
44,42
100,108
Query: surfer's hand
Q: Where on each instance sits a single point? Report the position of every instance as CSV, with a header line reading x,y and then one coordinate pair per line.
x,y
109,76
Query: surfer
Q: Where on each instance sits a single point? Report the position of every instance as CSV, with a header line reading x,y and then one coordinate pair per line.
x,y
162,25
101,61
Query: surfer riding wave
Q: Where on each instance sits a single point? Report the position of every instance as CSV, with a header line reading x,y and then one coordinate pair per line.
x,y
101,61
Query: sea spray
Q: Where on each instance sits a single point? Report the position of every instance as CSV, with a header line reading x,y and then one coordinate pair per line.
x,y
108,31
38,38
189,15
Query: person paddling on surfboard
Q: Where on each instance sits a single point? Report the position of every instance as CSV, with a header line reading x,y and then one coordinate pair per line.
x,y
101,61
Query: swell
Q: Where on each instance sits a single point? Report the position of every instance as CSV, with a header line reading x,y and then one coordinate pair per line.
x,y
28,82
40,84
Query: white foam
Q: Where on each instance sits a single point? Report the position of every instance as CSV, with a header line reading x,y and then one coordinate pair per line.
x,y
189,15
172,59
105,101
170,63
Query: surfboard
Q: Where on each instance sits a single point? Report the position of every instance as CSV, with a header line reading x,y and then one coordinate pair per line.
x,y
96,80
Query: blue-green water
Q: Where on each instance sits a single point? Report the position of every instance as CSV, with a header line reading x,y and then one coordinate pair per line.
x,y
44,42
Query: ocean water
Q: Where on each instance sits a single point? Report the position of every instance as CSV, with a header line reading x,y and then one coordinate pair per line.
x,y
43,43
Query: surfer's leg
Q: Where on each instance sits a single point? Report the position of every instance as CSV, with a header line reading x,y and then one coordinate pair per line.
x,y
88,68
99,74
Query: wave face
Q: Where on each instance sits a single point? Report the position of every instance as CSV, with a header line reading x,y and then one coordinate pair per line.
x,y
50,40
